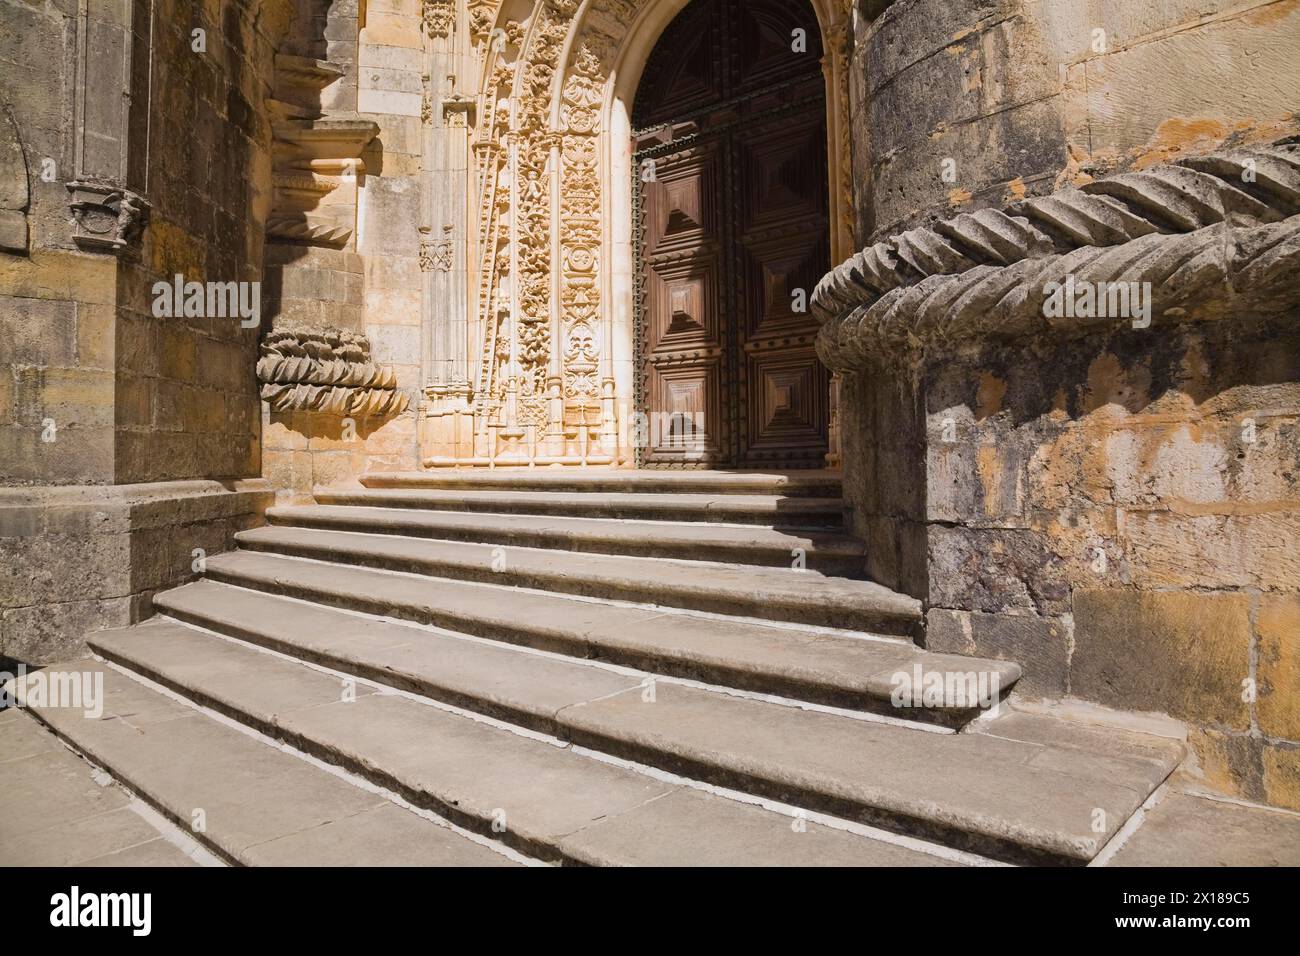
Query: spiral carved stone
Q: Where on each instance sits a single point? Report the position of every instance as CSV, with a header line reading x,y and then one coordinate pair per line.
x,y
1213,235
326,370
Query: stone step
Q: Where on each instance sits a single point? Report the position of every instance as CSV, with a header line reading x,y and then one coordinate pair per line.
x,y
796,484
767,510
826,551
780,594
531,793
259,805
1036,792
498,680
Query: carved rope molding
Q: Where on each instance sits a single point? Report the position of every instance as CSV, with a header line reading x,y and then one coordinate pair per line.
x,y
326,370
1214,235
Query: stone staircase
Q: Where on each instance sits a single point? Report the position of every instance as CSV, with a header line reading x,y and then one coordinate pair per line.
x,y
593,667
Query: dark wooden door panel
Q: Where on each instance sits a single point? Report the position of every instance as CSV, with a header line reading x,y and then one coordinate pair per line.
x,y
734,224
782,246
685,339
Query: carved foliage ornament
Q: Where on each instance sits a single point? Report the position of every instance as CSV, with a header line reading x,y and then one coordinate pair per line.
x,y
438,17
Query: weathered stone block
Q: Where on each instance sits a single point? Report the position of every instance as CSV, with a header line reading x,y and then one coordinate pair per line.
x,y
1040,645
179,353
1169,549
38,332
1277,627
995,570
55,632
1229,763
1281,762
1182,653
96,330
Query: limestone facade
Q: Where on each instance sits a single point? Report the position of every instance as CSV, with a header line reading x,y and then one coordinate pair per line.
x,y
436,199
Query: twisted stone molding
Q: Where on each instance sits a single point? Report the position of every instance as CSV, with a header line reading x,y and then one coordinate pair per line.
x,y
326,370
1213,234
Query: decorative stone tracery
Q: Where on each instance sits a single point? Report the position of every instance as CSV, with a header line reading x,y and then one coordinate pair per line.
x,y
541,384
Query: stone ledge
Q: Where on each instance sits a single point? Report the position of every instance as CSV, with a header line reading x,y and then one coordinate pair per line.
x,y
74,559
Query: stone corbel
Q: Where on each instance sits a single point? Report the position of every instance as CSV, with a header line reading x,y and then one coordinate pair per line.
x,y
326,370
317,171
108,218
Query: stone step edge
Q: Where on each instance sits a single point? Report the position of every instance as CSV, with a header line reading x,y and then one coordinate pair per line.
x,y
843,559
322,750
521,633
813,514
643,482
872,615
791,691
208,838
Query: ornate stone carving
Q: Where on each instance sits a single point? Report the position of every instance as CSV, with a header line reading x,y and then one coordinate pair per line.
x,y
580,105
108,218
438,17
1212,234
326,370
482,16
436,255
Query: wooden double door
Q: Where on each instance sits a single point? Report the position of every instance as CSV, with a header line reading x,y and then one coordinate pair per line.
x,y
731,182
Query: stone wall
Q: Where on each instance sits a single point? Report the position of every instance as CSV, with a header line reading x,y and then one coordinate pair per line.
x,y
1127,526
147,153
1117,508
1024,95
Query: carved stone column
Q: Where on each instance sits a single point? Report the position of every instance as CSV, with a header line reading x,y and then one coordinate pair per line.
x,y
448,115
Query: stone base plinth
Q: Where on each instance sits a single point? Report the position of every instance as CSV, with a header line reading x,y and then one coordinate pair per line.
x,y
74,559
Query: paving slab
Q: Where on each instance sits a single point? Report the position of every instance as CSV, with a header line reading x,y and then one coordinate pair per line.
x,y
249,792
56,811
804,597
20,736
1185,829
727,836
154,853
386,835
839,670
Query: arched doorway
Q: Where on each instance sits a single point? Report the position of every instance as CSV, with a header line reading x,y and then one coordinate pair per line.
x,y
731,234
